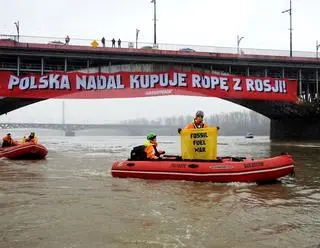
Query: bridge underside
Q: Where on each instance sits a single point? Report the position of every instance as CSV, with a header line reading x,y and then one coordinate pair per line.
x,y
276,110
9,104
289,121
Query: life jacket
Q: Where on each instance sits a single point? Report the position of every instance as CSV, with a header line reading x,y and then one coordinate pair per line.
x,y
30,139
193,125
151,150
139,152
8,141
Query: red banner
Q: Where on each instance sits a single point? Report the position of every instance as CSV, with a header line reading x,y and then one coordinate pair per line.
x,y
142,84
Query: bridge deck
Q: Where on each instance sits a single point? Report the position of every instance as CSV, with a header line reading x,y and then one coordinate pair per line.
x,y
18,46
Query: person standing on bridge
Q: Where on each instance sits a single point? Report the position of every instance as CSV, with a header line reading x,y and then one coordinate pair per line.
x,y
151,147
67,40
31,139
7,141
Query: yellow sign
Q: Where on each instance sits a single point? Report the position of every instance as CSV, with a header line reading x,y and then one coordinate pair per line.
x,y
94,43
199,143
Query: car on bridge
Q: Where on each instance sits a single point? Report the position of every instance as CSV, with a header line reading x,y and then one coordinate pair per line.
x,y
186,49
56,42
149,47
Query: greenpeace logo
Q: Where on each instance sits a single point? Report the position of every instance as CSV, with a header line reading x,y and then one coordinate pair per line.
x,y
158,92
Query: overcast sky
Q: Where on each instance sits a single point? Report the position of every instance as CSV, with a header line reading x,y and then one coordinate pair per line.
x,y
196,22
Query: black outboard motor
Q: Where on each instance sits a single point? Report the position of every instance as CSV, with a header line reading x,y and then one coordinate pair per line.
x,y
138,153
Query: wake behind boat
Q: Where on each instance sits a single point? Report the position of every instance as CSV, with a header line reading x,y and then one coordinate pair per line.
x,y
24,151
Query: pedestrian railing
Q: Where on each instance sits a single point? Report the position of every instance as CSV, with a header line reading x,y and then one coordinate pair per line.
x,y
60,41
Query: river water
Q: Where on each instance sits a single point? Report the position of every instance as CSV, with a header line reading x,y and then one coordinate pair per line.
x,y
71,200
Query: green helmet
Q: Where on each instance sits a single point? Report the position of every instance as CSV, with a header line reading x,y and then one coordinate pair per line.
x,y
151,136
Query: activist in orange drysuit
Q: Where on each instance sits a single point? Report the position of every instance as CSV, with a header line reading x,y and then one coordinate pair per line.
x,y
197,121
151,147
7,141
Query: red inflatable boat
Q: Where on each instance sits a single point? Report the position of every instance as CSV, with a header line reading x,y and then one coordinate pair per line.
x,y
224,169
24,151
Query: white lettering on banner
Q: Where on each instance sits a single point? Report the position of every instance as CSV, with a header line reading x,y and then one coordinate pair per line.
x,y
150,81
81,82
91,84
267,86
101,82
260,85
54,81
276,87
134,81
224,83
43,82
24,83
196,81
237,84
154,83
279,86
209,82
250,83
182,79
13,81
64,85
32,83
51,81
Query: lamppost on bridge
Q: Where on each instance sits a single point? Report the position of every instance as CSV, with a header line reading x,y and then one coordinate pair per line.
x,y
18,29
137,35
238,43
154,22
290,14
317,49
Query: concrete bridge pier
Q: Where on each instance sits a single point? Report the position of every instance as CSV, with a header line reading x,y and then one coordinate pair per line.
x,y
293,129
70,133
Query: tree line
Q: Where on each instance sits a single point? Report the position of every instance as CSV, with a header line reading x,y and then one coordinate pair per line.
x,y
233,123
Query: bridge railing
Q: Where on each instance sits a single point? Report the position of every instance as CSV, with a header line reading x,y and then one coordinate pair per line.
x,y
60,41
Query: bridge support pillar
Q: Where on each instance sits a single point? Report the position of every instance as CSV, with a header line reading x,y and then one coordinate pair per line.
x,y
70,133
295,130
